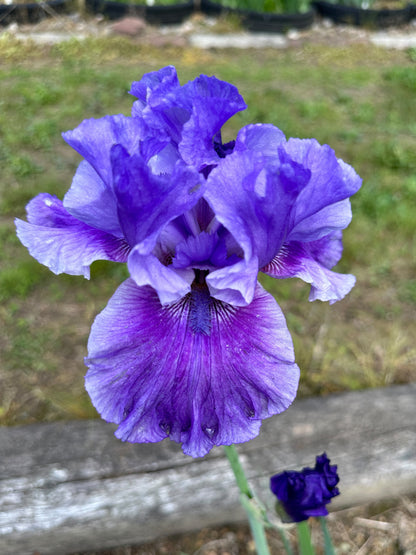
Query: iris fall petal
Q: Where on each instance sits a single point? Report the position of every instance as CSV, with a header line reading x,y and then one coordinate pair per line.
x,y
63,243
199,371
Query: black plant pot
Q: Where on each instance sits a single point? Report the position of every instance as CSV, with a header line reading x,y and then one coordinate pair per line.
x,y
156,15
261,21
114,10
276,23
31,12
350,15
211,8
169,15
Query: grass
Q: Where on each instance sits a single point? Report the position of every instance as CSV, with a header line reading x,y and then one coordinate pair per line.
x,y
358,99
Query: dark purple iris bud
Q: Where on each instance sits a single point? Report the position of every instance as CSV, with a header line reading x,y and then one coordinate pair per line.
x,y
191,347
306,493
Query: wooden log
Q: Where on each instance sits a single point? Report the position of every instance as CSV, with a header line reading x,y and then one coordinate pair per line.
x,y
72,486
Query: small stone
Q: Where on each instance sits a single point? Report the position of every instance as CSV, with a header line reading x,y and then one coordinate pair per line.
x,y
131,26
293,34
13,27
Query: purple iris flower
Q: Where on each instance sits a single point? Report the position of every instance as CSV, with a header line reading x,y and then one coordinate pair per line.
x,y
191,346
306,493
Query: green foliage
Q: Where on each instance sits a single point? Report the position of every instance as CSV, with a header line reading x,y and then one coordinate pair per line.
x,y
268,6
360,100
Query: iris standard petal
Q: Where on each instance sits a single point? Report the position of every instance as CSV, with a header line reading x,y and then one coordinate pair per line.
x,y
93,202
199,371
161,104
191,115
157,83
313,243
213,102
334,217
93,139
63,243
252,200
263,137
331,180
147,202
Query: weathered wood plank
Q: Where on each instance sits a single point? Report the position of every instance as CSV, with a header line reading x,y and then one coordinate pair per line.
x,y
71,486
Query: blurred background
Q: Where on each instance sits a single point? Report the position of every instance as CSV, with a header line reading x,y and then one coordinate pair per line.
x,y
358,98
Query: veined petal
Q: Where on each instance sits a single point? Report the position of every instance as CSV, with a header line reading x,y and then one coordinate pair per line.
x,y
147,202
334,288
313,244
199,371
253,200
334,217
331,180
213,103
327,250
93,139
159,82
191,115
311,262
90,200
63,243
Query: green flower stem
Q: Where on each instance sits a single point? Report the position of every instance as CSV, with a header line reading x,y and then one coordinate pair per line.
x,y
304,536
254,514
240,477
284,539
253,509
329,548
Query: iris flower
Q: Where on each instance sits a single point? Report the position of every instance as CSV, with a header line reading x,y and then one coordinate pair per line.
x,y
306,493
191,347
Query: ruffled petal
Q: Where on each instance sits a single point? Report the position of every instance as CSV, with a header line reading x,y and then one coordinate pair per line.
x,y
190,115
93,139
156,83
311,262
200,372
334,217
63,243
213,103
252,199
313,244
263,137
331,180
147,202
